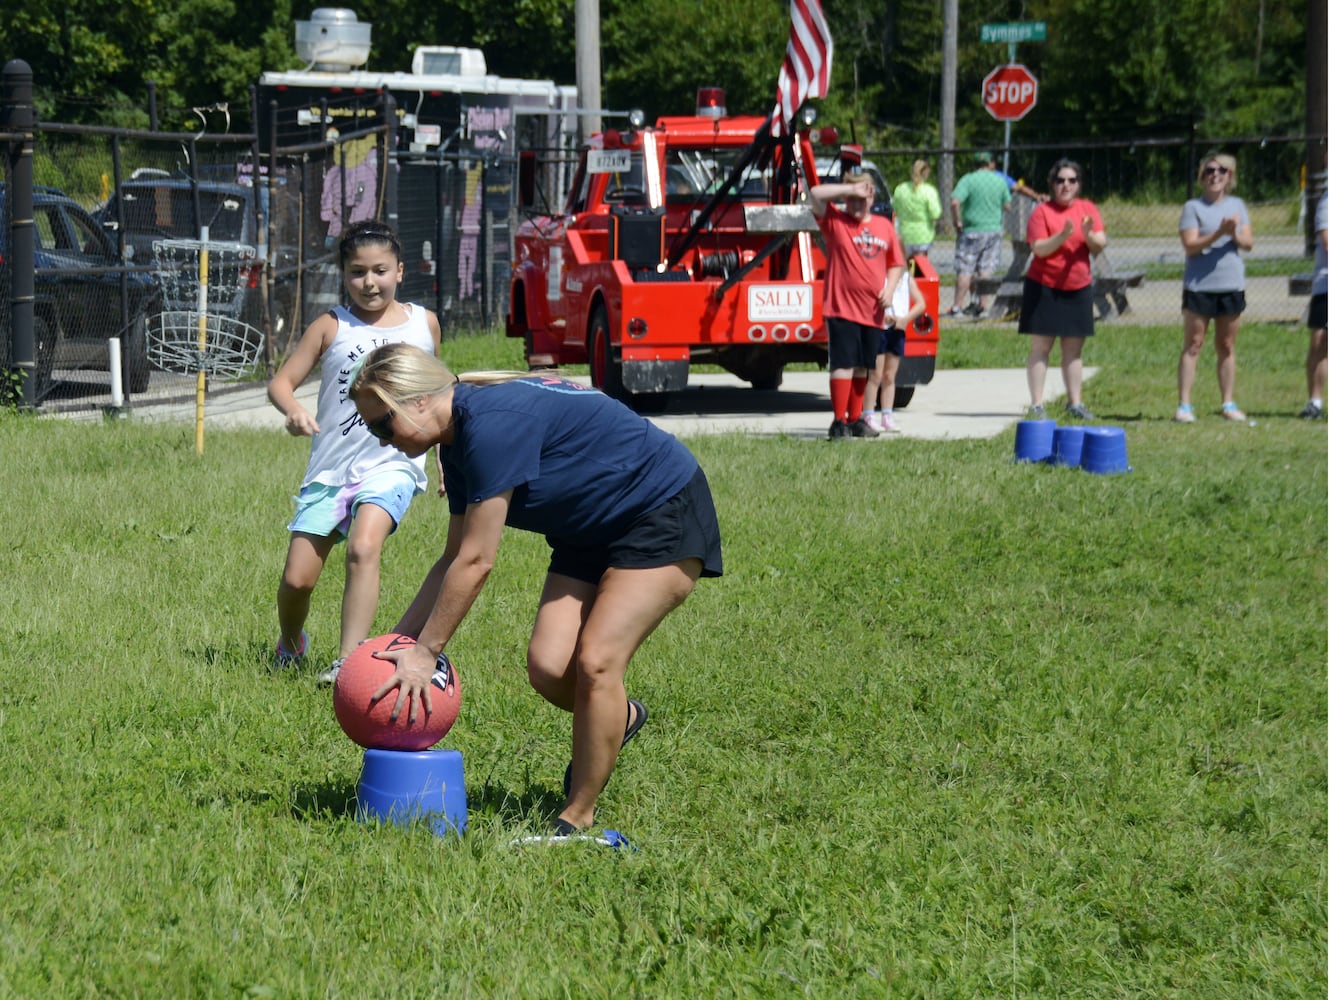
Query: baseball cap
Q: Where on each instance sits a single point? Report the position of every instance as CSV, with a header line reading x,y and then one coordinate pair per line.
x,y
983,156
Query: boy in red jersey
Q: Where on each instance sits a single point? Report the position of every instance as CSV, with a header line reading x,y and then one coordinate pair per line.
x,y
864,264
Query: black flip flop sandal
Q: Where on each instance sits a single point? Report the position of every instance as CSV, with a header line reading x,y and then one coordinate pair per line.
x,y
635,724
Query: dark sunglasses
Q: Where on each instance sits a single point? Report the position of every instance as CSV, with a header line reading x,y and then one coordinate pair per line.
x,y
1211,171
1067,180
381,428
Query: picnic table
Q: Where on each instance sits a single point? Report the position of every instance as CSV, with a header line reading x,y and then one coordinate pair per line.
x,y
1110,286
1300,284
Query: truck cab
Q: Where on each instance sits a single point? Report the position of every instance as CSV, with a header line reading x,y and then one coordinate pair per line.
x,y
689,241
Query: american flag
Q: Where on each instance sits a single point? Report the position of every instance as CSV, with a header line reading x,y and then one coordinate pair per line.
x,y
806,71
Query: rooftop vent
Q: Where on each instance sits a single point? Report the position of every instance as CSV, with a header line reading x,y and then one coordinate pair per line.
x,y
332,39
432,60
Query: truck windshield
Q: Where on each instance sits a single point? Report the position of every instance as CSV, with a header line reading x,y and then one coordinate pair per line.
x,y
627,185
690,173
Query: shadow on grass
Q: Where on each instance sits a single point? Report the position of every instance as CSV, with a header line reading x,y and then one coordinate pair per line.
x,y
537,804
335,799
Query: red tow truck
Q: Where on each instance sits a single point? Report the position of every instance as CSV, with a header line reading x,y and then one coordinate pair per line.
x,y
687,242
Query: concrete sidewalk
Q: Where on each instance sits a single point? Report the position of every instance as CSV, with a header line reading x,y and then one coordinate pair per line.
x,y
972,403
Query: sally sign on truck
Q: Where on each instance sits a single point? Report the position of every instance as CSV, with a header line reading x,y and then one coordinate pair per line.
x,y
685,242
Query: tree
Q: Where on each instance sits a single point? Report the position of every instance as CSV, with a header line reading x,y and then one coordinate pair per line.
x,y
1109,69
656,53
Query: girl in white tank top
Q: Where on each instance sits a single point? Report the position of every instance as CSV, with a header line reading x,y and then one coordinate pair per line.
x,y
354,487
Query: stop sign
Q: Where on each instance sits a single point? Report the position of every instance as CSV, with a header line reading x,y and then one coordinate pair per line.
x,y
1010,92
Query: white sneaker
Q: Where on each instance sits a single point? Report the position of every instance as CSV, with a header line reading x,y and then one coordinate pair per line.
x,y
329,676
873,419
1185,414
562,832
888,424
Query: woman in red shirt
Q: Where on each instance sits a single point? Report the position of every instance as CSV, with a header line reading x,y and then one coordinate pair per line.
x,y
1058,300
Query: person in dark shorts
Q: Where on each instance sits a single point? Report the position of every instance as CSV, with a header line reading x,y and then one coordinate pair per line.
x,y
1213,228
865,263
1057,302
1315,408
625,508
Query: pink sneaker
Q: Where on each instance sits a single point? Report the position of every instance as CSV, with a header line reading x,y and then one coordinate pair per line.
x,y
873,419
285,659
888,424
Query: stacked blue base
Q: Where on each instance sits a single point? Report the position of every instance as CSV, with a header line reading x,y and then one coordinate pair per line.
x,y
403,787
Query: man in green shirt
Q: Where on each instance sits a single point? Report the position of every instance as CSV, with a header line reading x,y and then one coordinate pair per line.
x,y
976,211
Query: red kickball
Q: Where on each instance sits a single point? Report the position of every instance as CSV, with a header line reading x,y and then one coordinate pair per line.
x,y
367,722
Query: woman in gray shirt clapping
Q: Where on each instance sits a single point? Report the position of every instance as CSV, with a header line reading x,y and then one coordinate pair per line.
x,y
1213,227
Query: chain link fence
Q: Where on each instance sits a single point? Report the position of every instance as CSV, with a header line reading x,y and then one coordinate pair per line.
x,y
1140,189
105,196
105,199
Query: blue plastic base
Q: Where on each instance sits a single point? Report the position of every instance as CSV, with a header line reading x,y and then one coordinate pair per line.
x,y
1067,445
1105,451
402,787
1034,440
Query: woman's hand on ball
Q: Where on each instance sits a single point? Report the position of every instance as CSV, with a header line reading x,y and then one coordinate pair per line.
x,y
415,667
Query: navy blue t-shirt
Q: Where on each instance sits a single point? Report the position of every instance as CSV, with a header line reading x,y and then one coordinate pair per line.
x,y
581,465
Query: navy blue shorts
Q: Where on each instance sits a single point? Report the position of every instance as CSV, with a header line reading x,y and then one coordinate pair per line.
x,y
1316,312
892,341
683,527
851,344
1212,304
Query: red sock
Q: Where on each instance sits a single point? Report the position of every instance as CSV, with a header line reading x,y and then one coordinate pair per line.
x,y
857,386
840,397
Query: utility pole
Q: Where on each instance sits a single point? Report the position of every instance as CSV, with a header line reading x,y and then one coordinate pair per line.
x,y
586,16
1314,163
946,173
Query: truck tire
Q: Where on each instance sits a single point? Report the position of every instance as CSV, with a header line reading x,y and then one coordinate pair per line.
x,y
768,381
606,371
904,394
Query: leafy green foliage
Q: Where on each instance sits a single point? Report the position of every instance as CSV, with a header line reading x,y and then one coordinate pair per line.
x,y
1109,69
658,52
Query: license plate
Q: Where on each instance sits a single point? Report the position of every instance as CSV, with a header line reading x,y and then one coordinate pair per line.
x,y
790,303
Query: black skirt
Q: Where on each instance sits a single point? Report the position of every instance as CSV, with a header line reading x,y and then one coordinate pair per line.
x,y
1050,312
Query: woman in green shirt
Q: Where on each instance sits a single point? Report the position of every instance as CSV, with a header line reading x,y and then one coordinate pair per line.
x,y
917,210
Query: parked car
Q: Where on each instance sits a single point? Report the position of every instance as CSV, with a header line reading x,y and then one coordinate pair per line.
x,y
829,170
78,282
159,206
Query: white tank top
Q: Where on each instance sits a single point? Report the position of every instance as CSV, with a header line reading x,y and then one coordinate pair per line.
x,y
900,298
344,451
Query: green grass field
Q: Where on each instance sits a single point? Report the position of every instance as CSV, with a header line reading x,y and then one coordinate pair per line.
x,y
948,727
